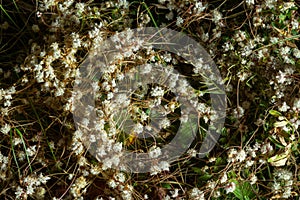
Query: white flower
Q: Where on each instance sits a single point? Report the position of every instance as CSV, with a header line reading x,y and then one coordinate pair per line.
x,y
196,194
270,3
212,184
7,103
77,147
296,52
5,129
174,193
95,170
20,193
283,174
253,179
3,162
138,128
80,7
154,152
164,165
82,161
243,75
112,183
118,147
287,6
31,151
276,186
296,104
285,50
120,177
199,7
109,162
202,108
154,170
230,187
217,16
167,57
238,112
241,156
281,78
266,148
224,178
249,163
157,92
43,179
92,138
17,141
192,152
284,107
122,100
250,2
110,95
126,194
179,21
164,123
59,92
232,155
147,69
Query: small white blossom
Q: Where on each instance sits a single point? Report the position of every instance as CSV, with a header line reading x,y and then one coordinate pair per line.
x,y
157,92
266,148
253,180
154,152
241,156
179,21
138,128
224,178
164,165
175,193
250,2
284,107
217,16
238,112
112,183
230,187
192,152
5,129
249,163
232,153
296,105
164,123
196,194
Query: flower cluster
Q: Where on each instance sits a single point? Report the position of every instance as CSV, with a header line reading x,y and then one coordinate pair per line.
x,y
32,186
45,155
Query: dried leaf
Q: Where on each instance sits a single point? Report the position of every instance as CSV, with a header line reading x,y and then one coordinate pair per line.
x,y
280,160
280,124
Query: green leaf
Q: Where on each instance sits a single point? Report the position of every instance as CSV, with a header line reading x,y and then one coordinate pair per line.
x,y
275,113
197,170
205,177
166,185
282,17
243,191
219,161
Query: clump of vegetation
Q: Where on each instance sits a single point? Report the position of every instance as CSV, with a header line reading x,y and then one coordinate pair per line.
x,y
43,153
